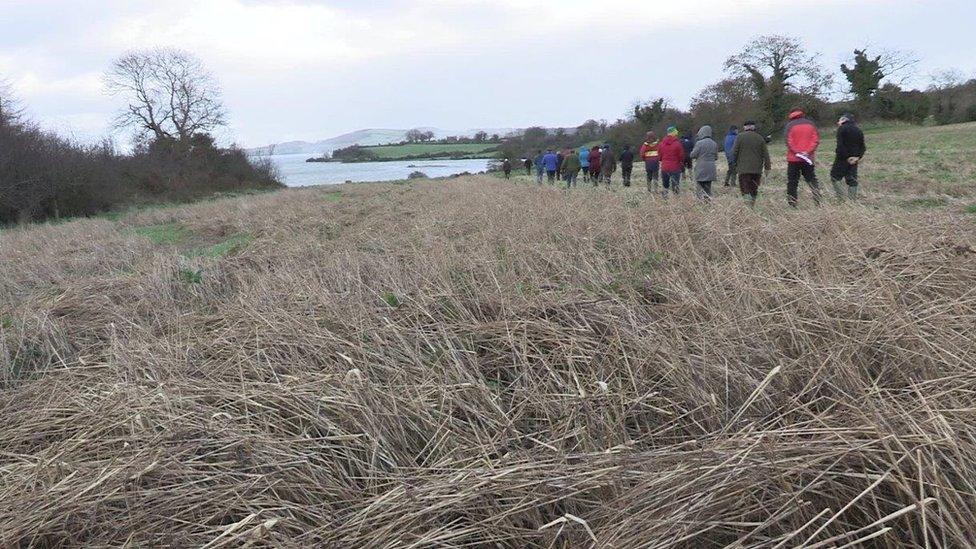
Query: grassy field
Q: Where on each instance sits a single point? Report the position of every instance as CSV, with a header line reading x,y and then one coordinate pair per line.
x,y
480,362
414,150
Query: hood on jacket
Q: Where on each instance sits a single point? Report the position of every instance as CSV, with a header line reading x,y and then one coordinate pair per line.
x,y
797,114
705,131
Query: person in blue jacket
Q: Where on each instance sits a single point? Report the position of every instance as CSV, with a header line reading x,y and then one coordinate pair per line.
x,y
584,156
539,166
729,143
551,163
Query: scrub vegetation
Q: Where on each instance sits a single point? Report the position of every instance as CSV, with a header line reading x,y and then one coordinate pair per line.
x,y
481,362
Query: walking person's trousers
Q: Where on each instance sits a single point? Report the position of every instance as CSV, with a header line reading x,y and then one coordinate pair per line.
x,y
844,171
670,181
793,172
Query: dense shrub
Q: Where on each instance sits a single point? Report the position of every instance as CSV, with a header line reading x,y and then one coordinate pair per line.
x,y
44,176
354,153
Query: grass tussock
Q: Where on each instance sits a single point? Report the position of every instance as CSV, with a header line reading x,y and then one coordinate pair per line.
x,y
477,363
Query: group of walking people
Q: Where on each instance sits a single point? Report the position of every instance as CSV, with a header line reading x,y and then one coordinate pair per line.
x,y
595,164
747,153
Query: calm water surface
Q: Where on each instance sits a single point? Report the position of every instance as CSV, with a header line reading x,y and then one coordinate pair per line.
x,y
295,172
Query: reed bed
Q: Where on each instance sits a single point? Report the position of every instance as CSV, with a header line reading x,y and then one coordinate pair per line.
x,y
477,363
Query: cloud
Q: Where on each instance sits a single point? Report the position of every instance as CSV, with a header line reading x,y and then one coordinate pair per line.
x,y
305,68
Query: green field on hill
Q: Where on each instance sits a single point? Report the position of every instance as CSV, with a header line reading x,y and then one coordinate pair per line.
x,y
416,150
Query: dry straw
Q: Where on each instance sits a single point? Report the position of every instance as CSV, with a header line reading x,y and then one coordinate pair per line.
x,y
492,365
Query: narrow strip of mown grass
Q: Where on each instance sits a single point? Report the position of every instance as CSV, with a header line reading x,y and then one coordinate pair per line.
x,y
229,246
175,234
165,233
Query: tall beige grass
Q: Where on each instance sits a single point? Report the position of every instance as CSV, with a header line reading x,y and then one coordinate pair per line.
x,y
478,363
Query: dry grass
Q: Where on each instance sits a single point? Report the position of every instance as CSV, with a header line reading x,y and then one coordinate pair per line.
x,y
477,363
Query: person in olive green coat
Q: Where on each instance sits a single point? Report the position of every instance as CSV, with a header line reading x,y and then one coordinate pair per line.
x,y
750,157
571,168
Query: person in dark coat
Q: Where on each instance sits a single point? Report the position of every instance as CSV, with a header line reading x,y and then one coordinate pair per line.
x,y
727,146
688,143
850,151
571,167
528,166
750,158
507,168
626,164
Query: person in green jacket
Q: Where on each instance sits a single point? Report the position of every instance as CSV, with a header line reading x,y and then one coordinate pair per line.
x,y
750,156
571,167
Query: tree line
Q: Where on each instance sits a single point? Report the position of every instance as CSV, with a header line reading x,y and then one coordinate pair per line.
x,y
171,105
769,76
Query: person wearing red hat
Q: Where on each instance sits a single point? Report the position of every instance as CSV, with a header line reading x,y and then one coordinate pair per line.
x,y
802,140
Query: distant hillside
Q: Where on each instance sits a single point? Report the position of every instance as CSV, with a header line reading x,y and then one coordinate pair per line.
x,y
366,138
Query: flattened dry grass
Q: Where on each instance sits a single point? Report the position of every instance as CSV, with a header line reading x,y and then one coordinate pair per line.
x,y
478,363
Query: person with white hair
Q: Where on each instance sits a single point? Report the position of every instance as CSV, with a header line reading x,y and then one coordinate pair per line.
x,y
850,151
750,158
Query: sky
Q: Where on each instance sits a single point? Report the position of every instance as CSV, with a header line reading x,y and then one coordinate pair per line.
x,y
313,69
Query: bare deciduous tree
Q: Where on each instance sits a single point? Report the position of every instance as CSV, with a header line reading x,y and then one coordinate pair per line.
x,y
10,109
778,66
169,94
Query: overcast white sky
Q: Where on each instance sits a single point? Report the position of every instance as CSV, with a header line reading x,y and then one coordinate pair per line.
x,y
312,69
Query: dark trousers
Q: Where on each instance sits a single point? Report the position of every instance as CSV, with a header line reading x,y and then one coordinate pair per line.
x,y
670,180
704,190
730,175
793,172
844,170
749,184
653,169
626,170
570,178
551,175
508,174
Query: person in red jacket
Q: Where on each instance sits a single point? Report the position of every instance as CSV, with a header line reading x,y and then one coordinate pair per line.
x,y
672,157
802,140
595,165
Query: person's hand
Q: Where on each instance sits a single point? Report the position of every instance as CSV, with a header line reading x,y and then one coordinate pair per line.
x,y
853,160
